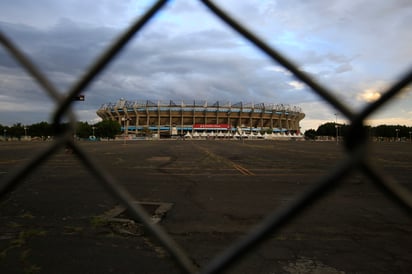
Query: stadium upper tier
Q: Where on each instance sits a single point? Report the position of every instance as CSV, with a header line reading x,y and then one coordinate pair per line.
x,y
134,115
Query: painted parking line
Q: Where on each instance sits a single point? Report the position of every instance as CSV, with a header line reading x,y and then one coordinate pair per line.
x,y
243,170
239,168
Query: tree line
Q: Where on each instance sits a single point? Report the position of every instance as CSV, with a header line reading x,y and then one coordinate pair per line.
x,y
104,129
109,129
381,131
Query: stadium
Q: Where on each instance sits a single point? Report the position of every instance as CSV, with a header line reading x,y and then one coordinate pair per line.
x,y
197,119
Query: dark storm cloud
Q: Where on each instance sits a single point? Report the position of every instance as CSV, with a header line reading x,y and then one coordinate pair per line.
x,y
62,53
205,64
160,64
66,47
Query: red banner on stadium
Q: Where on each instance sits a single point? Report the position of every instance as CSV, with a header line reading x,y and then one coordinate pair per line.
x,y
212,126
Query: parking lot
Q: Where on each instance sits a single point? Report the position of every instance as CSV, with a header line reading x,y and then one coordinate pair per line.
x,y
218,191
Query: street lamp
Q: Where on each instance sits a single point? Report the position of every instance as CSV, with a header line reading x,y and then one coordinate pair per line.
x,y
124,119
410,136
397,131
25,132
337,128
124,130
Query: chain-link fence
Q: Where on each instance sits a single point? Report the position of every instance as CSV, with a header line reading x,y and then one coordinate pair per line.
x,y
355,145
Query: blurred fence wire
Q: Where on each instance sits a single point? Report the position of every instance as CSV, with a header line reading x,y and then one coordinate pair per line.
x,y
355,145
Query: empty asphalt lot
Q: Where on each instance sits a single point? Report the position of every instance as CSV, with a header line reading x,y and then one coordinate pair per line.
x,y
219,190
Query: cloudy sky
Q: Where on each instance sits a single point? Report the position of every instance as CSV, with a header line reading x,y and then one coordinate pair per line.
x,y
356,48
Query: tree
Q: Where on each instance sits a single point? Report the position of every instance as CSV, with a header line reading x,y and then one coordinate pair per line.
x,y
17,130
310,134
392,131
327,129
107,129
40,129
83,130
4,131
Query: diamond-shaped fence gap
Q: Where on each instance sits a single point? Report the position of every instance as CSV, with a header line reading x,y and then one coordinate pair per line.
x,y
160,64
62,174
303,39
282,60
153,60
321,113
136,210
400,87
22,96
214,197
38,76
397,162
208,194
16,175
278,219
101,62
397,192
383,116
54,57
57,186
354,219
281,217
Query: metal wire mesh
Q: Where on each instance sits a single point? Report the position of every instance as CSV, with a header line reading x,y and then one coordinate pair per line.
x,y
355,146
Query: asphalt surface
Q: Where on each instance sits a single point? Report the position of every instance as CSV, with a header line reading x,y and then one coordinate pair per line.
x,y
52,222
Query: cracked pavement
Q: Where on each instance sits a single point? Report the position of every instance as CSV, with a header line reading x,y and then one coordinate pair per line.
x,y
219,190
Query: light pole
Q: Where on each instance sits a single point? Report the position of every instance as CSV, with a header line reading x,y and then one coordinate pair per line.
x,y
5,131
124,119
124,130
410,136
337,128
25,132
397,131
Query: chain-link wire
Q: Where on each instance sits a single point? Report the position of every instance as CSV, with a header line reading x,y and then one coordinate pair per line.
x,y
355,146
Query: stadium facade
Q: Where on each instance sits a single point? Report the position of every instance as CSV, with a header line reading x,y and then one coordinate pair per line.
x,y
183,117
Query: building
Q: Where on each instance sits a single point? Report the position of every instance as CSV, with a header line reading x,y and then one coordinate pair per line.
x,y
179,118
